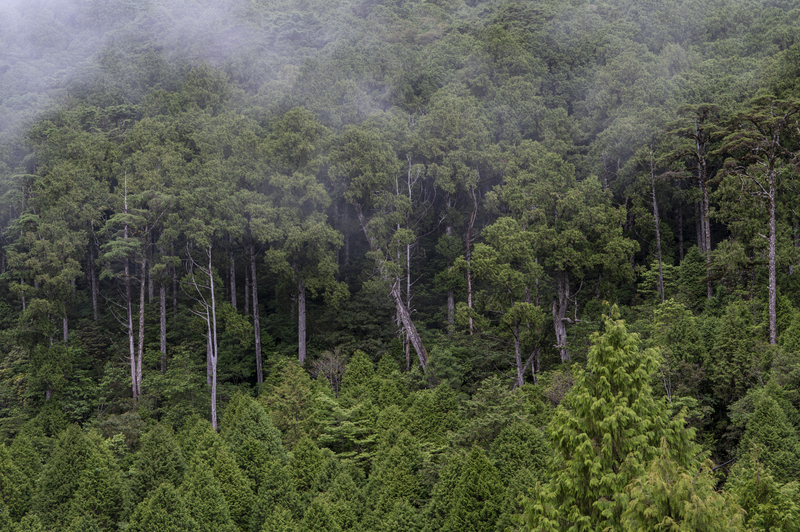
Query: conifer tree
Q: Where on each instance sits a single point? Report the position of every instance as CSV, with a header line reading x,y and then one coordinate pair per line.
x,y
771,440
15,491
669,496
604,432
477,498
84,524
159,460
162,510
235,488
202,494
99,496
61,476
279,521
248,419
768,505
318,518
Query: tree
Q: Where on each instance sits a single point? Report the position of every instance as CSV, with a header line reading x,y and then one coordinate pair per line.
x,y
158,461
477,497
367,166
605,431
163,510
61,476
761,141
574,226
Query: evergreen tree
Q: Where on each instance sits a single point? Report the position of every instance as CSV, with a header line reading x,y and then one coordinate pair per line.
x,y
607,428
60,478
158,461
235,488
668,496
771,440
202,495
478,496
318,518
99,496
15,489
767,505
162,510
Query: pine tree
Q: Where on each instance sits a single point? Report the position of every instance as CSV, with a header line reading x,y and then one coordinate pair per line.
x,y
604,432
768,505
247,419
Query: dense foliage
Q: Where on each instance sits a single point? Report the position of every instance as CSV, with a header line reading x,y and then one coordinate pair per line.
x,y
278,265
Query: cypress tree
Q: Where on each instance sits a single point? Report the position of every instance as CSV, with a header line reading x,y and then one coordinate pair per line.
x,y
163,510
604,432
202,494
772,440
235,488
99,495
477,498
61,476
318,518
15,490
159,460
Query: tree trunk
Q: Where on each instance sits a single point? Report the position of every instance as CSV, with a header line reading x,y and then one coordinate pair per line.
x,y
64,325
162,292
92,277
707,240
214,351
655,218
451,301
518,356
150,282
140,354
301,321
129,315
680,230
468,243
233,273
246,291
773,290
174,294
256,323
408,324
560,304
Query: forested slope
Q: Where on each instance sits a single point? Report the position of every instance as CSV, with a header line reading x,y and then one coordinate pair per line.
x,y
399,265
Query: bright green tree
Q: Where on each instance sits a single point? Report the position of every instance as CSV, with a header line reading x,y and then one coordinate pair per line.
x,y
605,431
15,488
202,495
99,496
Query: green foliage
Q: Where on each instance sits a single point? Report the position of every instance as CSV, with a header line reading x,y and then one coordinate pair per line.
x,y
61,477
99,497
291,405
203,497
669,496
770,439
15,488
606,430
477,497
163,509
158,461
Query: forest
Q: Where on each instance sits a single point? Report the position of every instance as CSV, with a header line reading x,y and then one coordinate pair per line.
x,y
399,265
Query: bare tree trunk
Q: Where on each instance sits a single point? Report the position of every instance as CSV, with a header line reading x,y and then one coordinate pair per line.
x,y
162,292
655,219
773,290
233,272
469,254
22,293
140,354
520,380
451,301
247,290
680,230
256,323
174,294
408,324
301,321
214,351
560,304
64,325
701,241
93,285
131,346
150,282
